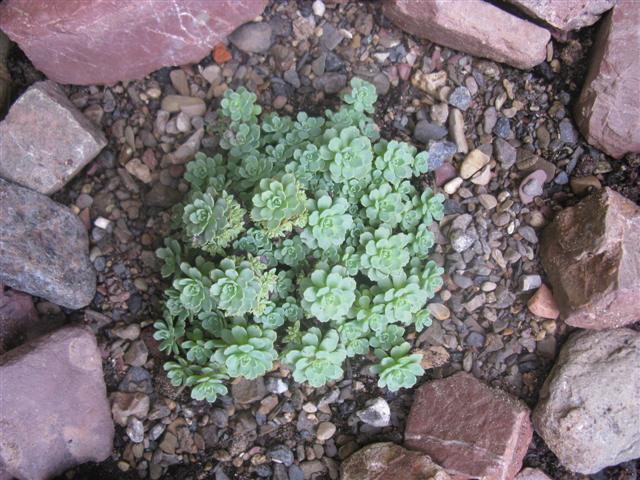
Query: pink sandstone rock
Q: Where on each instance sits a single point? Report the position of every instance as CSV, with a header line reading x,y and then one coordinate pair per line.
x,y
470,429
565,14
54,410
106,41
45,140
592,258
472,26
608,110
532,474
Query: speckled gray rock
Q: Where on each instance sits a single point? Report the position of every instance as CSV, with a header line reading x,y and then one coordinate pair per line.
x,y
45,140
54,410
44,249
590,402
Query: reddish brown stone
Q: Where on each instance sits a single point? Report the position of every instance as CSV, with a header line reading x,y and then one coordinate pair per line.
x,y
489,32
106,41
17,317
45,140
608,110
472,430
384,461
564,14
53,408
591,255
543,304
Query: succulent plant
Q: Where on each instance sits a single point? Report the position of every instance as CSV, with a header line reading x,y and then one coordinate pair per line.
x,y
247,351
171,255
349,154
387,338
198,348
279,205
384,205
396,160
328,223
384,254
318,359
239,105
362,96
328,294
401,297
429,275
291,252
236,287
207,384
421,242
430,205
168,332
204,172
193,289
398,369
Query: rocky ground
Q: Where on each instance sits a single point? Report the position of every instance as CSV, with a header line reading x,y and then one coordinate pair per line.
x,y
298,58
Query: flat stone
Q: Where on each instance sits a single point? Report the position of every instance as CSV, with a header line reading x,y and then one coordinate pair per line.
x,y
193,106
325,431
248,391
440,152
64,42
426,131
44,248
608,109
592,257
564,15
179,81
384,461
504,152
252,37
377,413
516,42
45,140
460,98
53,408
473,163
588,408
543,304
472,430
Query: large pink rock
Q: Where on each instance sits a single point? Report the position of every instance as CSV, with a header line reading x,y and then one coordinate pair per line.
x,y
105,41
472,430
472,26
565,14
45,140
592,258
54,412
608,110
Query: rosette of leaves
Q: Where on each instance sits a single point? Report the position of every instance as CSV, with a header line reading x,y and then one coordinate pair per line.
x,y
384,254
396,160
276,127
246,351
279,205
362,96
429,276
241,140
385,205
353,189
253,168
353,336
422,320
239,105
292,311
272,317
349,154
318,359
193,289
285,285
207,384
236,287
421,242
366,312
292,252
430,205
179,371
401,297
305,129
255,242
387,338
203,172
350,259
328,294
328,222
212,322
398,369
198,348
213,221
171,255
168,332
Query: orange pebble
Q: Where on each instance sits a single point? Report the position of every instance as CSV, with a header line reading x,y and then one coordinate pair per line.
x,y
221,54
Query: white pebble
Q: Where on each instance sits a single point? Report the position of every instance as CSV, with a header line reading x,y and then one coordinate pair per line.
x,y
102,223
452,186
318,8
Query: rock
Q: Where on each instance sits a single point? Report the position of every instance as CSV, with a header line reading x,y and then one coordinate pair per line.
x,y
318,8
530,282
330,82
592,258
568,133
532,474
45,140
384,461
588,408
543,304
193,106
139,170
188,149
440,152
331,36
426,131
248,391
504,152
162,196
461,240
444,173
179,81
608,109
483,177
456,130
325,431
252,37
67,46
44,249
460,98
469,428
473,163
376,413
531,186
584,185
18,319
565,15
453,185
5,76
135,430
136,354
125,405
54,410
490,32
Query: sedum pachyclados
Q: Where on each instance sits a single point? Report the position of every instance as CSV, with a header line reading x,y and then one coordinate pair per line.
x,y
304,240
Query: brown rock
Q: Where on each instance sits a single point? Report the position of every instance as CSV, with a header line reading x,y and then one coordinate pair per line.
x,y
473,431
44,249
45,140
592,257
65,41
489,32
583,185
125,405
53,408
18,317
543,304
565,15
608,110
384,461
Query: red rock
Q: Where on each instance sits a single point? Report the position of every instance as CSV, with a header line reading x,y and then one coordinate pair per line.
x,y
489,32
565,15
53,408
543,304
383,461
472,430
106,41
608,110
18,318
592,258
221,54
45,140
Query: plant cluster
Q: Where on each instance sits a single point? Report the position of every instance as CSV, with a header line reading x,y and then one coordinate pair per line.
x,y
305,241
